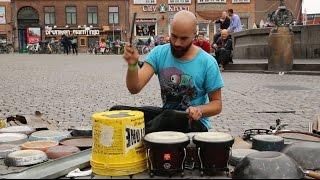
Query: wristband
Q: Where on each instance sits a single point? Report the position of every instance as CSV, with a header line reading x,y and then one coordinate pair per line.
x,y
133,66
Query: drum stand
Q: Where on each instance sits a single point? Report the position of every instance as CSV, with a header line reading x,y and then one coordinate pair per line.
x,y
210,170
152,171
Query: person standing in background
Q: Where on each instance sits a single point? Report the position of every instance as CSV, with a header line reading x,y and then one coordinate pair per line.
x,y
235,25
224,22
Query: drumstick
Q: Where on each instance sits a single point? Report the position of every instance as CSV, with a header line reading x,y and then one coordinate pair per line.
x,y
132,27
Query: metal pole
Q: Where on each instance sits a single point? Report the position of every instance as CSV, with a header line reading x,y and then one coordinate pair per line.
x,y
113,29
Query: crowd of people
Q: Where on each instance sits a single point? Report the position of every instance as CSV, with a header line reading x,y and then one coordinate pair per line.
x,y
70,44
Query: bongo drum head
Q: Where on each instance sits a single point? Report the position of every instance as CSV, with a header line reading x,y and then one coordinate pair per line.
x,y
166,137
213,137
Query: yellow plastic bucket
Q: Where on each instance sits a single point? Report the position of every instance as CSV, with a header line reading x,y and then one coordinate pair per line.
x,y
117,148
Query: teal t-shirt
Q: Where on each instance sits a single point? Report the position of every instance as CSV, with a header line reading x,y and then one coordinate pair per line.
x,y
185,83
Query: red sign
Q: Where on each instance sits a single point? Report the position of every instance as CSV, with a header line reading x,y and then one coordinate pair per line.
x,y
33,35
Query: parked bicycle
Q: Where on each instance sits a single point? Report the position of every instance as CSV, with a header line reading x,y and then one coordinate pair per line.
x,y
6,48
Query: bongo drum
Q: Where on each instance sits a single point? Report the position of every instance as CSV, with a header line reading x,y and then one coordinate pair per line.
x,y
166,152
213,151
192,159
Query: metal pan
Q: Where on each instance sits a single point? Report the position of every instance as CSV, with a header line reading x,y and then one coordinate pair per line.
x,y
270,165
82,142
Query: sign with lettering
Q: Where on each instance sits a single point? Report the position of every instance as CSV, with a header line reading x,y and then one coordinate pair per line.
x,y
165,8
84,32
33,35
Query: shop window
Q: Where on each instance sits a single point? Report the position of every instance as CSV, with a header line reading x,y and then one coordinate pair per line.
x,y
146,29
49,15
2,15
113,15
92,14
71,14
240,1
211,1
82,41
145,2
179,2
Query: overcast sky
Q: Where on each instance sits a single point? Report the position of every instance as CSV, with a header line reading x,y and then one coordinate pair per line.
x,y
312,6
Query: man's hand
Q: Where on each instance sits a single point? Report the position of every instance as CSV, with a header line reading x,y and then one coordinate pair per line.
x,y
195,113
131,54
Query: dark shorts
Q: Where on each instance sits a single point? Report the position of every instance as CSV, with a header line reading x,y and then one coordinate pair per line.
x,y
159,119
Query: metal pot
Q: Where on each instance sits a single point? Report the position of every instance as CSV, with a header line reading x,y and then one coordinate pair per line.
x,y
306,154
268,165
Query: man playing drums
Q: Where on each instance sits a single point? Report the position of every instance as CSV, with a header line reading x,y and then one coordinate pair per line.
x,y
190,79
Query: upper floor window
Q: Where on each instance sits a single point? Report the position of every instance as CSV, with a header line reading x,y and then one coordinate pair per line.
x,y
240,1
179,1
49,15
92,14
145,2
113,15
211,1
71,14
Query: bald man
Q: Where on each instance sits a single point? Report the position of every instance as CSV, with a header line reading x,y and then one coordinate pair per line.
x,y
189,77
223,49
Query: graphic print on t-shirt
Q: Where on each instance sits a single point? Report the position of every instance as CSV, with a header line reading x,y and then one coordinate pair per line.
x,y
177,88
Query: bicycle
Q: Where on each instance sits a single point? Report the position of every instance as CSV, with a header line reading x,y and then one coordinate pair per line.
x,y
6,48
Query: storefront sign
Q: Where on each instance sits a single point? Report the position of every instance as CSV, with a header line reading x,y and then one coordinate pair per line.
x,y
175,8
149,8
33,35
84,32
2,15
164,8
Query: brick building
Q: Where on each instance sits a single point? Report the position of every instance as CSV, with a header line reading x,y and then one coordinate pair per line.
x,y
89,20
6,25
313,19
154,16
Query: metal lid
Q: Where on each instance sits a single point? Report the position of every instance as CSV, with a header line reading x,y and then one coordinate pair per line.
x,y
6,149
49,135
13,138
18,129
25,157
166,137
213,137
41,145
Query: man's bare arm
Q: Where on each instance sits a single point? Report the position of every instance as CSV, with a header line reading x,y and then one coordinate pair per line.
x,y
138,78
214,106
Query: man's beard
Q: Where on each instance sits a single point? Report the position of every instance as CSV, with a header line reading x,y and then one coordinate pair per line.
x,y
179,51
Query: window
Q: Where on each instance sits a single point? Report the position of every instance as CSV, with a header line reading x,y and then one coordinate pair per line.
x,y
82,41
71,14
240,1
203,29
49,15
179,1
92,14
145,2
211,1
244,22
113,15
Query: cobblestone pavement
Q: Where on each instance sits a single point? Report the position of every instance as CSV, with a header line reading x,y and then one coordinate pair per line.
x,y
69,89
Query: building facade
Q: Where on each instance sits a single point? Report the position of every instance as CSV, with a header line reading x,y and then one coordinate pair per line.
x,y
313,19
88,20
6,24
154,16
